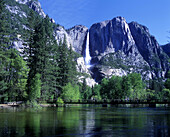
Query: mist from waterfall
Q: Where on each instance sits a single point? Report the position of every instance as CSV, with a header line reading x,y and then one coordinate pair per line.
x,y
87,53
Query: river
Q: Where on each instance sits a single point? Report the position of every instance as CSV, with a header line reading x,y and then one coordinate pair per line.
x,y
85,121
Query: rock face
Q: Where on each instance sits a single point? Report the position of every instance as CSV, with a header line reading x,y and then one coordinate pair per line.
x,y
112,43
78,36
75,37
149,49
33,4
110,37
81,68
166,49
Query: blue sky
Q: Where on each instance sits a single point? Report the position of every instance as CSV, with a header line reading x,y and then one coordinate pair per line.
x,y
155,14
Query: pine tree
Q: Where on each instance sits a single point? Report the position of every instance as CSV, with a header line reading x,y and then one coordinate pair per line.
x,y
55,87
18,72
44,54
72,73
4,46
63,63
51,56
35,88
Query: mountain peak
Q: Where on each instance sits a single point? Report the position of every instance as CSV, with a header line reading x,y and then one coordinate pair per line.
x,y
33,4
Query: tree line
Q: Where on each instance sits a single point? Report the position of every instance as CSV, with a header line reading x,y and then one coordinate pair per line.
x,y
131,87
46,69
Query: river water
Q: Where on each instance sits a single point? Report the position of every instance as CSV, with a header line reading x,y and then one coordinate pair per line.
x,y
85,121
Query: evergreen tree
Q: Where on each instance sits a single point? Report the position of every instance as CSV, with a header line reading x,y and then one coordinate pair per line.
x,y
71,92
126,86
84,86
63,63
136,85
32,20
167,82
54,84
96,90
72,73
17,76
4,46
43,59
30,48
35,88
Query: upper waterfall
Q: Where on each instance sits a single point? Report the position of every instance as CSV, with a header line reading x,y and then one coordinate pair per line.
x,y
87,52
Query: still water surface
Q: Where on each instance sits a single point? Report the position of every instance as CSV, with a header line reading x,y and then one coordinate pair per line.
x,y
85,121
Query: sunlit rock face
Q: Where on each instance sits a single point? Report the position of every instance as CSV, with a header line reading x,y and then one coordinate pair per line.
x,y
75,37
33,4
110,37
78,35
82,68
114,50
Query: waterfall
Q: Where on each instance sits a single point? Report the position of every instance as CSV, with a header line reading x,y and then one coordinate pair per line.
x,y
87,53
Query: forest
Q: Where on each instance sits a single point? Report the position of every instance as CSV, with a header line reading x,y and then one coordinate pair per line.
x,y
46,70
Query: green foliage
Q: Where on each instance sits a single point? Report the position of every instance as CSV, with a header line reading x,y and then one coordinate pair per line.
x,y
18,75
167,83
130,86
70,92
166,94
137,85
32,104
60,101
96,92
151,94
156,85
35,88
110,60
112,88
4,41
87,94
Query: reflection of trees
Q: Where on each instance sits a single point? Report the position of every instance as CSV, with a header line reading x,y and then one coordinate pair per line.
x,y
60,121
12,122
87,121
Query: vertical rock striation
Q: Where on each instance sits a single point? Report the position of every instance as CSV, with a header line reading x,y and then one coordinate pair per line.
x,y
149,49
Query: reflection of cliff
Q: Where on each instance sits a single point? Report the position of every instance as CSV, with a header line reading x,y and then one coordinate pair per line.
x,y
89,122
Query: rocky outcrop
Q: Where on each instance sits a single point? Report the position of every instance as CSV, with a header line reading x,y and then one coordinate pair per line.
x,y
16,10
78,38
60,33
33,4
166,49
149,49
85,73
81,67
75,37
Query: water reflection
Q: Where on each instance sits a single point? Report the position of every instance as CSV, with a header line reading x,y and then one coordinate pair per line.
x,y
85,121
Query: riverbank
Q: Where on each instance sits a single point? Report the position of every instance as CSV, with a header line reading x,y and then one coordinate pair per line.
x,y
4,106
23,105
45,105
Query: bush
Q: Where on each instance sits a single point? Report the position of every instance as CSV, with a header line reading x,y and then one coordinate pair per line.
x,y
70,92
60,101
